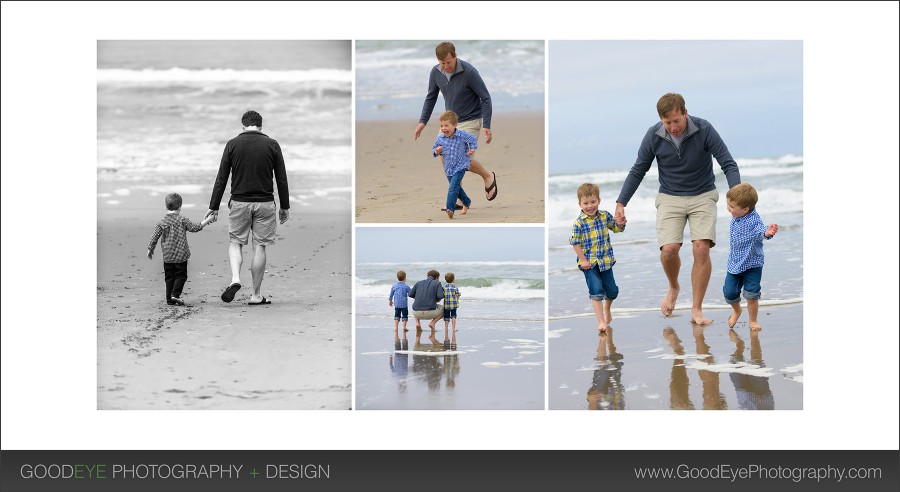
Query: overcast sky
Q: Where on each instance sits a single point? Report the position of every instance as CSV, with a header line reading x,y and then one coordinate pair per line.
x,y
603,97
405,244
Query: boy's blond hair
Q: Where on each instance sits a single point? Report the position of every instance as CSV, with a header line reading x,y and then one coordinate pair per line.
x,y
588,189
449,277
743,195
401,275
449,116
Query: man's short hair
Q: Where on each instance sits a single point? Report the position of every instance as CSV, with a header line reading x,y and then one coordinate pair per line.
x,y
449,277
434,274
449,116
743,195
252,118
401,275
443,49
173,201
668,103
588,189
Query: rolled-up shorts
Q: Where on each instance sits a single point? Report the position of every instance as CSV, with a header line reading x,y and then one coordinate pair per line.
x,y
256,217
401,314
672,212
471,126
439,310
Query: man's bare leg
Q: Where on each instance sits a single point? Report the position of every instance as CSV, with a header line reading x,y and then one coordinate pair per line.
x,y
700,274
671,263
433,324
257,271
486,176
236,259
753,310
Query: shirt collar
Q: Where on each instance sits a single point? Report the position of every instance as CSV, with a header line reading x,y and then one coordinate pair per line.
x,y
585,216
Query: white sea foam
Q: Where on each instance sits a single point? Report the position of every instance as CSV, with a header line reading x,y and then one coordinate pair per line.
x,y
510,364
739,368
794,368
120,75
557,333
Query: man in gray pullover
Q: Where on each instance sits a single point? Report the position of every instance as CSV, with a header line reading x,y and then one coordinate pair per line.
x,y
683,147
466,95
427,293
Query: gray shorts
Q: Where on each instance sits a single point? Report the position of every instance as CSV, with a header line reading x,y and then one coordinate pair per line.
x,y
258,217
434,313
672,212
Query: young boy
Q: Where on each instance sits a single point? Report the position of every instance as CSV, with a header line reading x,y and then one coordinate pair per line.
x,y
398,300
175,246
455,148
451,301
745,259
590,240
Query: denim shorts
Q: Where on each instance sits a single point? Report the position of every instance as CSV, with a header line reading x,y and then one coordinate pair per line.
x,y
449,313
401,314
601,285
749,280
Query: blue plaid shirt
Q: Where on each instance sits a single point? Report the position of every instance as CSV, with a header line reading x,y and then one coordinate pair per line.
x,y
455,150
747,234
592,233
399,293
451,297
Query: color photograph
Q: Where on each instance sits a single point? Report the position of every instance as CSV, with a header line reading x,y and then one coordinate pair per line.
x,y
412,97
223,225
449,318
675,223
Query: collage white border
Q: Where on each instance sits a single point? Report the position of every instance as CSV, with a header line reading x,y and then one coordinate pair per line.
x,y
49,213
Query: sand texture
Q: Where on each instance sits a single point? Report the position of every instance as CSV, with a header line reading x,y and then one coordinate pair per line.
x,y
397,180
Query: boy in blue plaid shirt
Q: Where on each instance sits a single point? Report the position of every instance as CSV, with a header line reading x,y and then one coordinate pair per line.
x,y
398,300
451,301
590,240
175,248
455,148
745,259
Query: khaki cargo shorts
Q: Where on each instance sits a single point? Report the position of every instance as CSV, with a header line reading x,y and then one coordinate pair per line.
x,y
471,126
672,212
439,310
256,217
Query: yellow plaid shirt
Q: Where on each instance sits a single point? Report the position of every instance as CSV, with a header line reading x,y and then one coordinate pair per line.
x,y
592,233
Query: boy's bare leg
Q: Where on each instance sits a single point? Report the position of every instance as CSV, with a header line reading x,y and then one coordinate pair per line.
x,y
601,317
753,310
671,264
404,326
464,210
607,311
396,325
258,271
700,274
453,320
732,320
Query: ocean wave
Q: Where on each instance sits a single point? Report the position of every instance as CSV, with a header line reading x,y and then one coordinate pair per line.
x,y
120,75
455,264
501,289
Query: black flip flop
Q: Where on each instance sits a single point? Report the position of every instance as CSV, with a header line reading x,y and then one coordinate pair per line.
x,y
229,293
493,186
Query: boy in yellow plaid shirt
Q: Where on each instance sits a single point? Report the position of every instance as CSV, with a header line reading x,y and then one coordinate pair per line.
x,y
590,240
451,301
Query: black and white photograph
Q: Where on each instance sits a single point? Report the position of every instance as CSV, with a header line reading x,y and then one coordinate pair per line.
x,y
223,225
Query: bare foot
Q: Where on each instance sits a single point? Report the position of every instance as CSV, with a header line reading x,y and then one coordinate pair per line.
x,y
449,213
405,330
464,210
755,326
732,320
698,318
602,327
433,328
668,303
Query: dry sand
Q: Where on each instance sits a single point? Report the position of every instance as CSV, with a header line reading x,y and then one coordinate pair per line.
x,y
292,354
397,180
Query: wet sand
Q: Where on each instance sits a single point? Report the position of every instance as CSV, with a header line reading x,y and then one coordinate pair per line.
x,y
292,354
656,363
491,366
397,180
